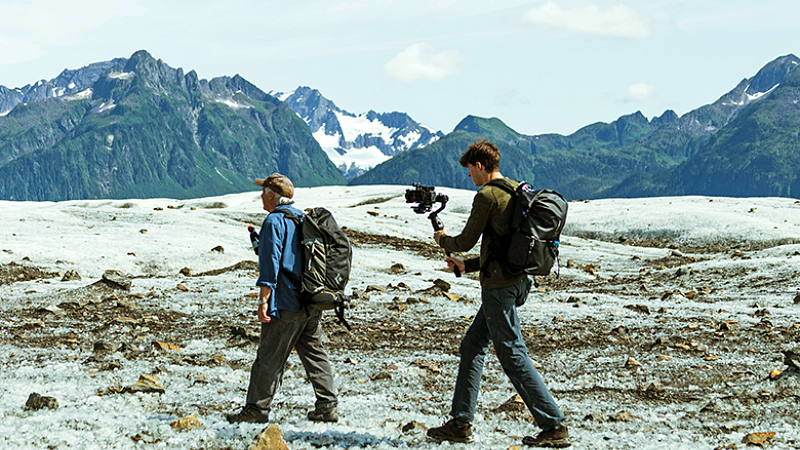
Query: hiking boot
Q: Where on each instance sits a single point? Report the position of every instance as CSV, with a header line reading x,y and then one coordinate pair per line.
x,y
557,437
249,414
450,431
327,414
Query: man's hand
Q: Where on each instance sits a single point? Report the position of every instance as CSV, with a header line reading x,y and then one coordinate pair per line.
x,y
438,235
263,307
453,262
262,313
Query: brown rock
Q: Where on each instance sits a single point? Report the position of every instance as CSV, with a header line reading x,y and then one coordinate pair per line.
x,y
413,425
514,404
36,402
188,423
165,347
71,275
757,438
147,384
623,416
270,438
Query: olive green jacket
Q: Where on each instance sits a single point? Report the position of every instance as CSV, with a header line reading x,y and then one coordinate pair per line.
x,y
491,206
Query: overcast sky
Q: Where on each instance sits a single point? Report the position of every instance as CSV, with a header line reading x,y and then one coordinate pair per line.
x,y
540,66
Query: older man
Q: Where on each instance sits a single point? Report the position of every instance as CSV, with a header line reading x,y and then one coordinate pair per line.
x,y
285,323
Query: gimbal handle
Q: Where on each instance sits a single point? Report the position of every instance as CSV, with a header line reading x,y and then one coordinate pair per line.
x,y
438,225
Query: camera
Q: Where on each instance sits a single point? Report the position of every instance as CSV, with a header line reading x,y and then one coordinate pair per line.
x,y
425,197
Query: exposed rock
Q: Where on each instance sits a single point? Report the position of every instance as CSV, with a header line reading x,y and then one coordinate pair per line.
x,y
103,347
632,363
639,308
413,425
187,272
270,438
514,404
218,249
188,423
146,384
373,288
165,347
759,439
443,285
71,275
397,269
116,279
36,402
623,416
246,333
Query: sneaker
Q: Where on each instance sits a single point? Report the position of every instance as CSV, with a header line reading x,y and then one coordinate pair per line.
x,y
327,414
557,437
249,414
452,432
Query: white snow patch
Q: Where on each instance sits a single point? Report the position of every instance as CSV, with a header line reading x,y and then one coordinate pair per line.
x,y
231,103
82,95
122,75
352,127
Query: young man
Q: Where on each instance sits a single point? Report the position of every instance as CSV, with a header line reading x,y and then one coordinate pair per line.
x,y
496,321
285,324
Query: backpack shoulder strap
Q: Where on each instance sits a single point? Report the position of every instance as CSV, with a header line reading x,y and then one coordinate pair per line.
x,y
289,214
502,184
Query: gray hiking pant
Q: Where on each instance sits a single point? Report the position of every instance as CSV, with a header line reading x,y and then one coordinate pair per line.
x,y
293,330
497,322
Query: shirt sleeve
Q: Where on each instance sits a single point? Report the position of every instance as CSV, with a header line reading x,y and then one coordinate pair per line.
x,y
476,224
270,251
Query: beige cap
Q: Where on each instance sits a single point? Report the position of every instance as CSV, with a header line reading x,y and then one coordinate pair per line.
x,y
280,184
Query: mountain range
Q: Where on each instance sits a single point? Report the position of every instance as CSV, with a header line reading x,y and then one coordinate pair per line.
x,y
356,143
744,144
136,127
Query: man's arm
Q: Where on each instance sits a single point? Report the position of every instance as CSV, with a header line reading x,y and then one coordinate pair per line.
x,y
263,304
476,224
270,250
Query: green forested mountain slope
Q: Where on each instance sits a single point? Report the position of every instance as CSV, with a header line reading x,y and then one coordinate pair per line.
x,y
145,129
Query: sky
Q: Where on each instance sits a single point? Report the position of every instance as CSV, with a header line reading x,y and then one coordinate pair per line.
x,y
540,66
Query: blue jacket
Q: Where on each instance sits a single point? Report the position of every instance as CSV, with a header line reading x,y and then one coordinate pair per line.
x,y
279,252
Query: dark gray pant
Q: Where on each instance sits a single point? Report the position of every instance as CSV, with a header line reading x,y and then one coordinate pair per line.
x,y
293,330
497,322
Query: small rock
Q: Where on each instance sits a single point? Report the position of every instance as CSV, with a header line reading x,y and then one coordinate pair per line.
x,y
797,299
683,271
102,347
71,275
443,285
623,416
270,438
638,308
632,363
383,375
373,213
188,423
676,253
654,387
413,425
116,280
36,402
570,263
514,404
187,272
146,383
165,347
218,249
573,299
757,438
397,269
373,288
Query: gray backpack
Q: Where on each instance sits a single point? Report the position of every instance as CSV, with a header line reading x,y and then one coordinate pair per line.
x,y
532,245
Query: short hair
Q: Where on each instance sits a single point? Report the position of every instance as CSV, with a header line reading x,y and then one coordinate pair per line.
x,y
283,200
484,152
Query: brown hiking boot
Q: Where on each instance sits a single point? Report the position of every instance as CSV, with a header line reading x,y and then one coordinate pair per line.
x,y
327,414
249,414
557,437
452,432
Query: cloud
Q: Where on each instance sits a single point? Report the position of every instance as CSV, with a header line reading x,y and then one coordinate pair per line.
x,y
420,62
639,92
618,21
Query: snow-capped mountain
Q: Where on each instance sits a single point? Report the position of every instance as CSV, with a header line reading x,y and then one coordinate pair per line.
x,y
67,82
356,143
